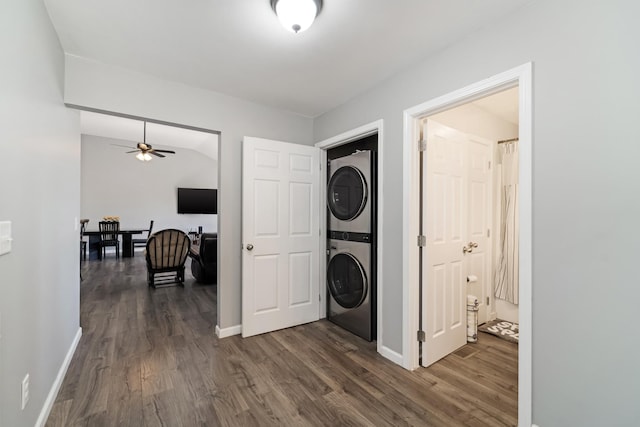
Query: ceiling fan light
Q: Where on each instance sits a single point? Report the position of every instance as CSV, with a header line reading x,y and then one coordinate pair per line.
x,y
296,15
143,157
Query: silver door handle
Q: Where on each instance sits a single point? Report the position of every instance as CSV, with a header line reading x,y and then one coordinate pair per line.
x,y
469,248
249,247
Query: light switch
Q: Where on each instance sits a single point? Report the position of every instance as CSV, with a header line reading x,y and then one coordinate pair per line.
x,y
5,237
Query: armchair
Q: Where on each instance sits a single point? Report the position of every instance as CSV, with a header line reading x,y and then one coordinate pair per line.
x,y
166,254
204,262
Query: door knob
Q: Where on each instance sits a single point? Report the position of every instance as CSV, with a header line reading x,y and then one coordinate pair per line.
x,y
249,247
469,247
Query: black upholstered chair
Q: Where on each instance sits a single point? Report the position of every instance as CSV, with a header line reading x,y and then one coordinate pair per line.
x,y
204,263
142,243
109,231
166,255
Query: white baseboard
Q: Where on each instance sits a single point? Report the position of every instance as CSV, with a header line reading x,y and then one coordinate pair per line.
x,y
394,356
227,332
55,388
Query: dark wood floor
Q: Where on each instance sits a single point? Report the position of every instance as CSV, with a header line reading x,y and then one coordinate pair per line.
x,y
150,358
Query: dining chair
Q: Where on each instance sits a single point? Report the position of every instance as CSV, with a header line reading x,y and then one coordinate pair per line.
x,y
143,242
83,243
109,231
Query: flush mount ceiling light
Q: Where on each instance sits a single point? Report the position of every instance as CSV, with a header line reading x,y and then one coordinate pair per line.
x,y
296,15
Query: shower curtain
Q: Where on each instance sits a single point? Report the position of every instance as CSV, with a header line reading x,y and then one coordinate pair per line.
x,y
506,276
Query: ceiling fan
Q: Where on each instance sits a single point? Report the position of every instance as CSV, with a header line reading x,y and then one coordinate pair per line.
x,y
144,150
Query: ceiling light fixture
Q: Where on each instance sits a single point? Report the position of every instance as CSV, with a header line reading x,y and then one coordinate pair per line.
x,y
145,150
296,15
143,157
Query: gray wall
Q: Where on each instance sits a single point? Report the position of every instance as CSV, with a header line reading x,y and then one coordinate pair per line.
x,y
40,194
94,85
117,184
585,192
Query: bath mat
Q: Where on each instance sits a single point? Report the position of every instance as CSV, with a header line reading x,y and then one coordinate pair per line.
x,y
502,329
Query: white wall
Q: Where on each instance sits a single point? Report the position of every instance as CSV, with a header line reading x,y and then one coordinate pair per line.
x,y
117,184
40,194
93,85
585,186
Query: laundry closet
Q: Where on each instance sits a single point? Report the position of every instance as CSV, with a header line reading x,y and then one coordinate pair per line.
x,y
351,236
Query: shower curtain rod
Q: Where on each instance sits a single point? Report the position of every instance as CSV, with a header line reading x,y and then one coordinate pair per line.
x,y
508,140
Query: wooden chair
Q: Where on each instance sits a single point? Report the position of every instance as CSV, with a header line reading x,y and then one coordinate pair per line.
x,y
142,243
166,254
109,231
83,243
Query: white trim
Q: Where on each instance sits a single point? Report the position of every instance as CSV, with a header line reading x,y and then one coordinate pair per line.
x,y
57,383
228,332
352,135
393,356
344,138
322,264
409,228
519,76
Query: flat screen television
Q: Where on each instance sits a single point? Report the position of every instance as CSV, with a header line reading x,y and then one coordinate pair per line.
x,y
197,201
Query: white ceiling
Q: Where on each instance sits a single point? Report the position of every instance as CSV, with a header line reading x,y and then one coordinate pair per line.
x,y
502,104
131,132
238,47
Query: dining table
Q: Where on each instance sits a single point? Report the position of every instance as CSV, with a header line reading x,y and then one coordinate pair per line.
x,y
127,242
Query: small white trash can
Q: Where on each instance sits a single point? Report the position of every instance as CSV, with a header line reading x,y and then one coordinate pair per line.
x,y
472,318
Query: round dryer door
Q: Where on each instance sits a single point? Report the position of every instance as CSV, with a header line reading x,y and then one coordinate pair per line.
x,y
347,280
347,193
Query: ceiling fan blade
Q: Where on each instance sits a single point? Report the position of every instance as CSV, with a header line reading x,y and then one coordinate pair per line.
x,y
155,154
134,151
164,151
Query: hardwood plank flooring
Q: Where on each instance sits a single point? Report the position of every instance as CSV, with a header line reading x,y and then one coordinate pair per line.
x,y
150,357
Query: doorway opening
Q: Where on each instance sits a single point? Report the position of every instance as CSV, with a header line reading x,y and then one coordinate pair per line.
x,y
416,264
144,194
373,128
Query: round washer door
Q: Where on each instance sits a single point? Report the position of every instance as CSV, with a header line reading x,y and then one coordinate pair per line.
x,y
347,193
346,280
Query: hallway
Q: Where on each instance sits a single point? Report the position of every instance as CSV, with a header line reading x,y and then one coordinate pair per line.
x,y
151,357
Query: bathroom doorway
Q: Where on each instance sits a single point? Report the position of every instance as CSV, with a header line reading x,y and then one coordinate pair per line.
x,y
415,274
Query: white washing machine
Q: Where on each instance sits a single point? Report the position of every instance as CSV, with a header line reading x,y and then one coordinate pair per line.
x,y
351,300
349,193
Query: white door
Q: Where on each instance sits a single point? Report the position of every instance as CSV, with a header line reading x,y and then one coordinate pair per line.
x,y
280,235
457,215
444,217
479,221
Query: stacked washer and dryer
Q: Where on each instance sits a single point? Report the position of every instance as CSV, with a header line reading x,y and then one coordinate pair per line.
x,y
351,278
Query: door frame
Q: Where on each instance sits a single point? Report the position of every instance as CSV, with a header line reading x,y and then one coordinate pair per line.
x,y
521,77
324,145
